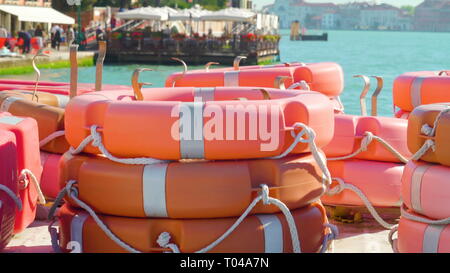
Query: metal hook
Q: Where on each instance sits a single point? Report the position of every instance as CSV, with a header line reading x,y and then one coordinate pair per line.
x,y
138,85
302,84
99,65
279,82
375,94
209,64
441,73
362,97
73,70
237,62
185,69
265,94
38,72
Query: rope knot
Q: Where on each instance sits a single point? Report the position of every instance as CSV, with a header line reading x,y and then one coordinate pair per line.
x,y
265,194
338,188
96,137
426,130
163,239
367,139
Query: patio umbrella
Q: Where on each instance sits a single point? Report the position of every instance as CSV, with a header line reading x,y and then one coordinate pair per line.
x,y
229,14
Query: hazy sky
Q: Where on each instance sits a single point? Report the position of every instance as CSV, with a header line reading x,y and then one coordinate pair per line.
x,y
260,3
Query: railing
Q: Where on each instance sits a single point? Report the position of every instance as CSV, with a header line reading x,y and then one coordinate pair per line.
x,y
140,42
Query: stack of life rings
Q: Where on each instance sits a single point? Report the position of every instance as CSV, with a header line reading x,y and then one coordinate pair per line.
x,y
195,169
425,217
366,159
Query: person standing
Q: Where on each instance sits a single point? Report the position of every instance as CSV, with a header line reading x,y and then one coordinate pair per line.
x,y
56,41
70,36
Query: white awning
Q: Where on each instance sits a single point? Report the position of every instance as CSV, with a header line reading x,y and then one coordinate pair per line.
x,y
229,14
38,14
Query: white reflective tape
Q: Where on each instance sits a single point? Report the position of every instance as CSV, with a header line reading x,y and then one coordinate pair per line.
x,y
273,233
76,230
231,78
154,190
192,144
416,98
4,107
431,238
206,94
416,187
63,100
11,120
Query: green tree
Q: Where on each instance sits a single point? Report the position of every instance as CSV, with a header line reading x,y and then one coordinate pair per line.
x,y
408,9
62,5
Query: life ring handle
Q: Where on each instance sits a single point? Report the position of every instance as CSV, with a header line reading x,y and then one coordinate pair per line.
x,y
185,69
380,83
40,53
210,64
237,62
137,86
362,97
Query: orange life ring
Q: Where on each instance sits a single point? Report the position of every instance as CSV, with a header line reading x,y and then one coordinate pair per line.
x,y
8,169
379,181
326,78
195,189
423,121
257,233
417,237
350,130
425,189
416,88
153,127
50,118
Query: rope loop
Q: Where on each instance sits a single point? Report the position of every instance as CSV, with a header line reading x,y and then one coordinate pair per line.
x,y
164,242
329,237
67,190
24,179
12,195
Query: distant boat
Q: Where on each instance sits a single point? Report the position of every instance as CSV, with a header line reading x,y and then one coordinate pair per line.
x,y
296,36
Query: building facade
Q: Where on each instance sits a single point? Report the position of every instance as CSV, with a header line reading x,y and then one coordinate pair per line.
x,y
35,3
432,15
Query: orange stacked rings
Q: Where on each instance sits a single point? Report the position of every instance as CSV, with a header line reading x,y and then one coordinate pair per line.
x,y
195,189
174,125
258,233
46,108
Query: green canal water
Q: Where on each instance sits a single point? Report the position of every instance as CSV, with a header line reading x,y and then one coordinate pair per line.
x,y
386,54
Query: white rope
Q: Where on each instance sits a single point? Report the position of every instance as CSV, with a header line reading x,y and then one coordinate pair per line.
x,y
24,174
96,140
346,186
12,195
329,237
51,137
267,200
164,238
429,131
311,135
391,239
365,141
424,220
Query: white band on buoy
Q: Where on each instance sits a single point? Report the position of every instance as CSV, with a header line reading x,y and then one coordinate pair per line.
x,y
11,120
191,130
416,186
63,100
154,190
206,94
273,233
431,238
76,229
231,78
4,107
416,97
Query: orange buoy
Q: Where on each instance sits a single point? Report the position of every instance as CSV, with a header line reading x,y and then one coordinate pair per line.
x,y
425,189
25,130
8,180
51,99
378,181
50,174
256,234
50,119
220,123
429,133
194,189
350,130
417,88
326,78
417,237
